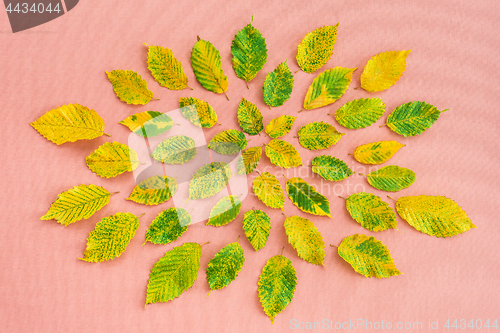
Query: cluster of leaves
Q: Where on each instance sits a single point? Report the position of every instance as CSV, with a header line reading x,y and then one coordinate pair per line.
x,y
177,270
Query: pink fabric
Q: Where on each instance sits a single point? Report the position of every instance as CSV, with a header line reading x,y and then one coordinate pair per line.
x,y
44,288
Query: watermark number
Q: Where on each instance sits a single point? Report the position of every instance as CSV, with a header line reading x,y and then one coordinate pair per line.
x,y
35,8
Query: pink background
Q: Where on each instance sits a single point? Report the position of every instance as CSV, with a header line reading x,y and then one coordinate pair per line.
x,y
454,64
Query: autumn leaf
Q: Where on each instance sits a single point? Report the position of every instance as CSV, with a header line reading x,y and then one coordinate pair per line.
x,y
268,189
112,159
249,117
391,178
249,160
130,87
330,168
318,135
177,149
278,85
306,198
371,212
306,239
168,226
148,124
198,112
154,190
166,70
383,70
360,113
257,226
377,152
224,267
209,180
224,211
413,118
282,154
280,126
228,142
328,87
316,48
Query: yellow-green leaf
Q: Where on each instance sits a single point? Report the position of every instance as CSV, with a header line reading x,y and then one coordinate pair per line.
x,y
174,273
148,124
154,190
283,154
391,178
69,123
130,87
383,70
177,149
166,70
318,135
209,180
330,168
368,256
280,126
377,152
198,112
412,118
224,211
328,87
306,239
112,159
110,237
276,285
434,215
360,113
168,226
257,226
306,198
278,85
249,160
371,212
249,117
268,189
77,203
224,267
316,48
228,142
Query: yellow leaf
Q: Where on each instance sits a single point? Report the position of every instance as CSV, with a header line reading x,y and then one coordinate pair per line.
x,y
268,189
383,70
306,239
130,87
112,159
148,124
328,87
283,154
154,190
166,70
376,152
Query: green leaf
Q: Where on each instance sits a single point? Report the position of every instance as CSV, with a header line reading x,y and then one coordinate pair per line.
x,y
168,226
249,160
154,190
306,239
249,52
330,168
228,142
280,126
376,152
328,87
77,203
148,124
206,63
198,112
249,118
110,237
371,212
130,87
224,211
383,70
305,197
412,118
283,154
112,159
177,149
257,226
69,123
276,285
209,180
166,70
434,215
318,135
368,256
174,273
316,48
224,267
360,113
268,189
391,178
278,85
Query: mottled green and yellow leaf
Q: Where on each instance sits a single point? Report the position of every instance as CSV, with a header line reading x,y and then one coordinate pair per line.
x,y
148,124
249,117
316,48
112,159
228,142
177,149
318,135
198,112
257,225
371,212
330,168
377,152
166,69
224,267
328,87
280,126
154,190
249,160
209,180
283,154
206,63
278,85
391,178
306,198
306,239
268,189
360,113
130,87
412,118
224,211
168,226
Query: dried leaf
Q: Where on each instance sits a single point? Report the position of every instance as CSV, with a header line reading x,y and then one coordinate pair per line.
x,y
130,87
112,159
168,226
305,197
376,152
224,211
318,135
330,168
154,190
224,267
412,118
268,189
228,142
198,112
306,239
177,149
249,118
209,180
283,154
166,70
278,85
148,124
280,126
391,178
316,48
371,212
249,160
383,70
257,226
205,60
328,87
360,113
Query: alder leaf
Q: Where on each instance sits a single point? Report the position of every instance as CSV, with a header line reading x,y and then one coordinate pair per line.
x,y
198,112
368,256
130,87
148,124
166,69
276,285
77,203
177,149
306,239
112,159
391,178
69,123
224,267
168,226
206,63
154,190
228,142
383,70
249,160
316,48
318,135
268,189
330,168
174,273
110,237
249,118
434,215
278,85
249,52
360,113
371,212
209,180
305,197
257,226
224,211
282,154
377,152
412,118
280,126
328,87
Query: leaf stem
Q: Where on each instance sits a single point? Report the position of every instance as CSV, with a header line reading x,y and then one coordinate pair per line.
x,y
141,215
282,250
226,96
301,111
334,245
247,84
106,134
342,197
205,243
209,292
391,198
190,87
115,192
382,125
359,173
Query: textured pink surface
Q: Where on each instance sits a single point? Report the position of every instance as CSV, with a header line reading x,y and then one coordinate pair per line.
x,y
44,288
